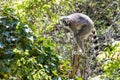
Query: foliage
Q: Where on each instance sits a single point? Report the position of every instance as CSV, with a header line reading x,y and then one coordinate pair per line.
x,y
23,54
112,61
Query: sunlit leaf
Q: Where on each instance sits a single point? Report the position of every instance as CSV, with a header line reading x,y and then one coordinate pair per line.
x,y
79,79
55,73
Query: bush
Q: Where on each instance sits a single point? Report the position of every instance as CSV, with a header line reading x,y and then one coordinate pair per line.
x,y
23,54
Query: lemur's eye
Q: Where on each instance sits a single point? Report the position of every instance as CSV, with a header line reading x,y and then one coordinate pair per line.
x,y
64,21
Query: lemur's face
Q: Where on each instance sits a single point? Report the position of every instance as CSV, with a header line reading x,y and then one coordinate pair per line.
x,y
64,21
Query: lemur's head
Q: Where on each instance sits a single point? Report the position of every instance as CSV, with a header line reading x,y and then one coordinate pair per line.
x,y
64,20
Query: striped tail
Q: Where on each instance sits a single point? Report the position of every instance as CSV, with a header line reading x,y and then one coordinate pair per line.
x,y
95,43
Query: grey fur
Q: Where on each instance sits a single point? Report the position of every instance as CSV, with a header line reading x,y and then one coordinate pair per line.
x,y
81,25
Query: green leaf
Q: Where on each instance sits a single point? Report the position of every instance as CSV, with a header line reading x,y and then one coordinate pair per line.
x,y
55,73
79,79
